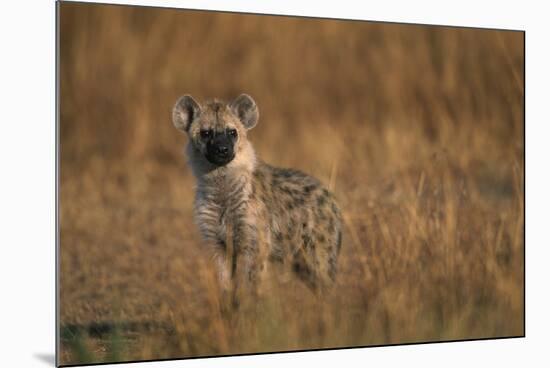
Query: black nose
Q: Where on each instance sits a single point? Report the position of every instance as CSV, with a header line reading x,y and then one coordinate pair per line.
x,y
222,150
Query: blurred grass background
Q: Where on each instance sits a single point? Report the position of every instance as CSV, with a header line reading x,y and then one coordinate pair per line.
x,y
418,130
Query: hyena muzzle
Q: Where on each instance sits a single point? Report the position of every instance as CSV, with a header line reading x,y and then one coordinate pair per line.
x,y
253,215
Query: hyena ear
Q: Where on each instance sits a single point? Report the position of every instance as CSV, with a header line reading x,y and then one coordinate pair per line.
x,y
247,111
185,111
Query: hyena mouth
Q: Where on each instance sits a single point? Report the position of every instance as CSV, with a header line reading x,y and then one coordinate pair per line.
x,y
219,159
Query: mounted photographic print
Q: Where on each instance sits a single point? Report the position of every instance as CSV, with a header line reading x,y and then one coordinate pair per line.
x,y
233,183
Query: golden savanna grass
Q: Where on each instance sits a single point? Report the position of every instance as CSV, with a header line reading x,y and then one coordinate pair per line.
x,y
417,129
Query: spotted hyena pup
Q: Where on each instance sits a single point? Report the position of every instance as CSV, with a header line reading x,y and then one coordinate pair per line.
x,y
252,215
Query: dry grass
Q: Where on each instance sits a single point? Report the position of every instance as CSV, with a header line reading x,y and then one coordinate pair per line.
x,y
419,131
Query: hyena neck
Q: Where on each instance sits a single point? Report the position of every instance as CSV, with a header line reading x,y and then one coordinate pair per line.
x,y
233,179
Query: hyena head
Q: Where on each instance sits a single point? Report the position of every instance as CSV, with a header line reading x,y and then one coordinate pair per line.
x,y
217,131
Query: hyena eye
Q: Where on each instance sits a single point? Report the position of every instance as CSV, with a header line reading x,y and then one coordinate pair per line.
x,y
232,132
206,133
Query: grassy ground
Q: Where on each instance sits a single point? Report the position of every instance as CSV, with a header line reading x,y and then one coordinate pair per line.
x,y
418,130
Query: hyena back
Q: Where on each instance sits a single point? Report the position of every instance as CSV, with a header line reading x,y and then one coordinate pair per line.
x,y
252,214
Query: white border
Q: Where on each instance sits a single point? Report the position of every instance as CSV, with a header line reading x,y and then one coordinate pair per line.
x,y
27,182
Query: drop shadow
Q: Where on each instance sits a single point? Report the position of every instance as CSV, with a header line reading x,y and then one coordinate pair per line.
x,y
46,358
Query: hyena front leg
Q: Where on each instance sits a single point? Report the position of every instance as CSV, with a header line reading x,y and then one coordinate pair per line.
x,y
223,264
247,265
